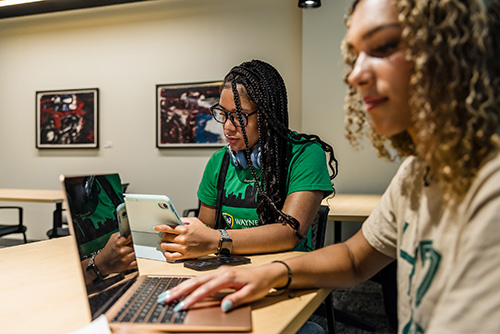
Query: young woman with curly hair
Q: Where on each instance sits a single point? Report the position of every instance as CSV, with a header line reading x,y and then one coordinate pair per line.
x,y
424,83
275,178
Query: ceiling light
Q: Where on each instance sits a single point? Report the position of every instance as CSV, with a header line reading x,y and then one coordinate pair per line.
x,y
4,3
309,3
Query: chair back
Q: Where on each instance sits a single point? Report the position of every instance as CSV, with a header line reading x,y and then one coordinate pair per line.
x,y
319,227
124,187
194,211
6,229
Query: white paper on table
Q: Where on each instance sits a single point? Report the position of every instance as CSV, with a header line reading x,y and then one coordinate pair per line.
x,y
98,326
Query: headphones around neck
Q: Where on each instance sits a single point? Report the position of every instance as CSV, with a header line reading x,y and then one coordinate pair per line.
x,y
240,161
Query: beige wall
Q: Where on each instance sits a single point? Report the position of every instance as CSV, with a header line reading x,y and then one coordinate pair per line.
x,y
125,50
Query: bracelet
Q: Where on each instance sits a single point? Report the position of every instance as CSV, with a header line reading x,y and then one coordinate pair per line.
x,y
287,285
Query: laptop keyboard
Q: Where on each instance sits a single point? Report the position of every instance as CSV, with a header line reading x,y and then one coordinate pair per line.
x,y
143,308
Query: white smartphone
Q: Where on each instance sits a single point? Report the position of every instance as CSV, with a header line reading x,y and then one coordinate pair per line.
x,y
121,215
143,213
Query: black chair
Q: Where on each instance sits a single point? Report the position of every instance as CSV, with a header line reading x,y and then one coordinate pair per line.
x,y
58,230
6,229
318,228
387,278
124,187
194,211
326,309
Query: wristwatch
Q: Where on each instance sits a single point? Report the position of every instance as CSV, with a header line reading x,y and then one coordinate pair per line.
x,y
225,243
91,266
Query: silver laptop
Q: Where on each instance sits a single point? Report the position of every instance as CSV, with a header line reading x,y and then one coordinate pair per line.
x,y
127,298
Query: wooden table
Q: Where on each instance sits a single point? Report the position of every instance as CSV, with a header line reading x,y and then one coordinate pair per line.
x,y
41,291
349,207
39,196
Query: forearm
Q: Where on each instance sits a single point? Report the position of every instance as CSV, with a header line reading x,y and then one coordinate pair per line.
x,y
327,267
274,237
263,239
337,266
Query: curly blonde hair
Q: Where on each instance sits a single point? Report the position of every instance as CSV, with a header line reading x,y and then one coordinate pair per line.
x,y
454,89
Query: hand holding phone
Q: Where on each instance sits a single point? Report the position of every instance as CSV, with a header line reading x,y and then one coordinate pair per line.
x,y
143,213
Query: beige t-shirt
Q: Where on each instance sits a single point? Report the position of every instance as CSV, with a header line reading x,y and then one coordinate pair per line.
x,y
448,258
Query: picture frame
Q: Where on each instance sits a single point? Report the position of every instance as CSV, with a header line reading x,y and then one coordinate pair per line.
x,y
183,117
67,118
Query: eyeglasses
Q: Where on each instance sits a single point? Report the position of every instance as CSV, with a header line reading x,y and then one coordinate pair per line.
x,y
221,116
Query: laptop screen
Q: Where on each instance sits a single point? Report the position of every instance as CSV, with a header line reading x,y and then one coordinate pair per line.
x,y
95,205
93,201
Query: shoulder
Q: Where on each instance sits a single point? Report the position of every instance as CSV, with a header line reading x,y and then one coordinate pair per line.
x,y
489,169
485,190
410,166
207,189
410,170
213,165
217,156
411,176
309,149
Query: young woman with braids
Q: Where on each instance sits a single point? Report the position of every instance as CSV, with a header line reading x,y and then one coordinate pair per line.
x,y
424,79
275,213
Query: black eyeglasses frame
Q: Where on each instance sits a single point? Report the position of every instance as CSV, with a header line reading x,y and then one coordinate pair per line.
x,y
230,115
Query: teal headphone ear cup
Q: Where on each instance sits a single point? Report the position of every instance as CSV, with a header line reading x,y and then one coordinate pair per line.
x,y
256,156
239,160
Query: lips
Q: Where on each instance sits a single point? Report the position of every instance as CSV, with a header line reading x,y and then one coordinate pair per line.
x,y
231,140
372,102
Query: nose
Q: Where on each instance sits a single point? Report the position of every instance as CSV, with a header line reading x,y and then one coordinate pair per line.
x,y
229,126
361,73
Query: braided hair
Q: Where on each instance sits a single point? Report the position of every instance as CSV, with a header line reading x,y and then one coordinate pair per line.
x,y
265,87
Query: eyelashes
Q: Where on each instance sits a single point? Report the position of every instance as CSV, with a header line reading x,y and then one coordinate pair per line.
x,y
381,51
385,49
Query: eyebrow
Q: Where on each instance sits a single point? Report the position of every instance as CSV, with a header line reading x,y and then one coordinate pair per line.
x,y
373,31
378,28
243,110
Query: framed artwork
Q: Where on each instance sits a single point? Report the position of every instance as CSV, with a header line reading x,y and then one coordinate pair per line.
x,y
183,117
67,118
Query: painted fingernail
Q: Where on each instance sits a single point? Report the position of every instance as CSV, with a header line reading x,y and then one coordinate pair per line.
x,y
179,307
164,296
226,305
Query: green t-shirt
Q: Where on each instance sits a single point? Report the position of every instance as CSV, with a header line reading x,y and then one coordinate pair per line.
x,y
307,171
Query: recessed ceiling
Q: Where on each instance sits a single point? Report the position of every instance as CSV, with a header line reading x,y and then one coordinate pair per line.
x,y
49,6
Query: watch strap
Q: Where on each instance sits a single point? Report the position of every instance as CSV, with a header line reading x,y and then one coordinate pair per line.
x,y
225,243
91,266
